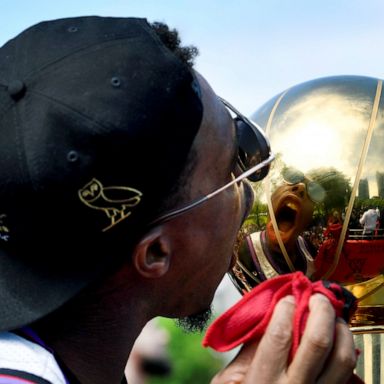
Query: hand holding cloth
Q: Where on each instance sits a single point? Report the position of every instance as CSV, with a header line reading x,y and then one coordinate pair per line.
x,y
247,320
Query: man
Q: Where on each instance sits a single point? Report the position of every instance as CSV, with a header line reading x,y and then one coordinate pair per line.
x,y
369,221
119,168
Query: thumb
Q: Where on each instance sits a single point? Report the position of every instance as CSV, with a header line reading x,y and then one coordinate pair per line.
x,y
236,370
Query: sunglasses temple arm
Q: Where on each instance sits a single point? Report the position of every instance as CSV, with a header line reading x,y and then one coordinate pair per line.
x,y
244,175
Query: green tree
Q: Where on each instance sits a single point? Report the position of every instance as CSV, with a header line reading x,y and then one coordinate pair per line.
x,y
191,362
337,187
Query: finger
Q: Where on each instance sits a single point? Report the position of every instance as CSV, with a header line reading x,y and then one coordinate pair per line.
x,y
236,370
270,362
316,342
342,360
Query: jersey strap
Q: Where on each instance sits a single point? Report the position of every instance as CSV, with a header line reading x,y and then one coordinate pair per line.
x,y
12,376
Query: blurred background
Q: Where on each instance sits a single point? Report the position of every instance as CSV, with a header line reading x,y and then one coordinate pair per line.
x,y
249,52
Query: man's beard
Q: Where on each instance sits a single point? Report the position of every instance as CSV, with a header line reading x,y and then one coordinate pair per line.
x,y
198,322
195,323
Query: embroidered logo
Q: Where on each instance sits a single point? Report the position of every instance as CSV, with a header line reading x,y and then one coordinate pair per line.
x,y
4,230
116,202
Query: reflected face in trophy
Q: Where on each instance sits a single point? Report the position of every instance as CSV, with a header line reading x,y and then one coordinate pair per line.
x,y
293,211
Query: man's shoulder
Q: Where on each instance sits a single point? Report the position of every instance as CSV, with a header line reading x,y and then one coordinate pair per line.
x,y
21,359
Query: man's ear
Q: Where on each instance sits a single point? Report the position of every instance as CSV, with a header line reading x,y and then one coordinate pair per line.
x,y
152,254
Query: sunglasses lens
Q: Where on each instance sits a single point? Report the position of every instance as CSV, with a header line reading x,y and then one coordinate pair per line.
x,y
292,176
253,148
316,192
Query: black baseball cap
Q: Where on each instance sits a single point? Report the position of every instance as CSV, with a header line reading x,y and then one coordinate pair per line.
x,y
97,118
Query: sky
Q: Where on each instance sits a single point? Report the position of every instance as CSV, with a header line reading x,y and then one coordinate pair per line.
x,y
250,50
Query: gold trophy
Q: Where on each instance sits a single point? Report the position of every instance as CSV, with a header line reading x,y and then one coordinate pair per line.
x,y
321,208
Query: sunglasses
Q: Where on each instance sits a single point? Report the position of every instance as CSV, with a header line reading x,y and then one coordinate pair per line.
x,y
253,145
315,191
254,159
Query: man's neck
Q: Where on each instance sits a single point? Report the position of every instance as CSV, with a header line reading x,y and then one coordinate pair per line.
x,y
92,343
93,356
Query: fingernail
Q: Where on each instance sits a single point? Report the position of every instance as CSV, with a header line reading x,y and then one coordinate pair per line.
x,y
289,299
319,296
316,299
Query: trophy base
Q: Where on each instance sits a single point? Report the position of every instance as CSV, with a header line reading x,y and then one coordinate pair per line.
x,y
368,316
369,340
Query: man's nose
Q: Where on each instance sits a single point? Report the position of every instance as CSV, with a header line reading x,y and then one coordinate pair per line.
x,y
299,189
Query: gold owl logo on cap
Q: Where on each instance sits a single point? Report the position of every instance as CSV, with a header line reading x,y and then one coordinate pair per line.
x,y
4,230
116,202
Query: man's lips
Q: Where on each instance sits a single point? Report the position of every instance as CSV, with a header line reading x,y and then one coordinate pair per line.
x,y
240,238
233,261
287,214
249,198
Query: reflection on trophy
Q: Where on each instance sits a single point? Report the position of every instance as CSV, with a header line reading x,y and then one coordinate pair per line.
x,y
320,210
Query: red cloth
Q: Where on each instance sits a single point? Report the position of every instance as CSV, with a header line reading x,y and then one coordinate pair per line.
x,y
248,318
